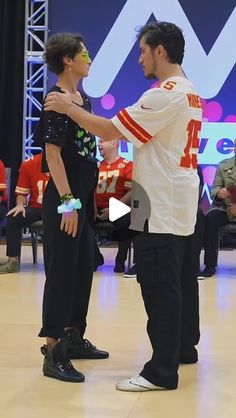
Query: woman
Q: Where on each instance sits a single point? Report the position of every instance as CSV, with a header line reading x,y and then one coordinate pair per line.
x,y
69,155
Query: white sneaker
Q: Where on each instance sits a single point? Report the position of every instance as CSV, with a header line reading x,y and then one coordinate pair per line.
x,y
137,384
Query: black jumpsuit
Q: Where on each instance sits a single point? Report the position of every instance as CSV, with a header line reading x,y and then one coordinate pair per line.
x,y
68,261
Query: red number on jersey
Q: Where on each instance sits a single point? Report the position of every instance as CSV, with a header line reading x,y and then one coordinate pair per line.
x,y
104,183
190,158
169,85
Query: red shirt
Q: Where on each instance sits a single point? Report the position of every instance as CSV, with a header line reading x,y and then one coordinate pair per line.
x,y
3,182
114,181
32,181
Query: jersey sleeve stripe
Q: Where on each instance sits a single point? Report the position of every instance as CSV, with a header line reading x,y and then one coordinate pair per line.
x,y
133,127
22,190
127,184
3,186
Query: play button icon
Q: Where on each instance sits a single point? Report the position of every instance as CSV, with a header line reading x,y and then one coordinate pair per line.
x,y
117,209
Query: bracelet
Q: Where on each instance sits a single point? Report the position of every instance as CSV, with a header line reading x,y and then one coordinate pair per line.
x,y
66,197
69,206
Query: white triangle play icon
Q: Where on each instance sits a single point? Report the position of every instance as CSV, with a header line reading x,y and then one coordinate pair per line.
x,y
117,209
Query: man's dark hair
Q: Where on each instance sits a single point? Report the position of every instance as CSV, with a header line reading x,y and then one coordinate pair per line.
x,y
167,34
59,46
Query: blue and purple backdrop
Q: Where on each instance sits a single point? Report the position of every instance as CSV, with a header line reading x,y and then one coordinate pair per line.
x,y
116,80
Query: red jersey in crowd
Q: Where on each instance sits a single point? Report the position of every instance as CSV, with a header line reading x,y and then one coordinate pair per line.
x,y
114,181
32,182
3,182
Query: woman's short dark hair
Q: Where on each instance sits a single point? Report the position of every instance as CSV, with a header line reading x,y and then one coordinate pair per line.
x,y
167,34
59,46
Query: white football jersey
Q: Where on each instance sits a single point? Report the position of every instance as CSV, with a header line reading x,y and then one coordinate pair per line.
x,y
164,126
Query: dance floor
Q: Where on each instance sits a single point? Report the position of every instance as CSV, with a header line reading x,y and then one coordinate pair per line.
x,y
116,323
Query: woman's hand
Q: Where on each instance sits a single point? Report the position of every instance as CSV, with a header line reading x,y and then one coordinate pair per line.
x,y
69,222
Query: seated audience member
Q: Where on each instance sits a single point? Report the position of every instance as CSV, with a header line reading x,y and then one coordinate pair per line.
x,y
29,192
115,175
200,224
3,192
132,271
221,212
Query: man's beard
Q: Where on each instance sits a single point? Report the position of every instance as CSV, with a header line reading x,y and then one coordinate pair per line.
x,y
150,76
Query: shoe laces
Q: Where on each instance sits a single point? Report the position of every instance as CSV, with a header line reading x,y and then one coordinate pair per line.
x,y
88,345
69,337
65,366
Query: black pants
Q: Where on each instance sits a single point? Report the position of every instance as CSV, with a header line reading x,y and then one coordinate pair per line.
x,y
3,211
167,276
199,236
124,237
121,256
14,229
214,220
68,268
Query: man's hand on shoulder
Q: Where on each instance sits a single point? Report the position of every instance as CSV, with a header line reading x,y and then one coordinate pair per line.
x,y
57,102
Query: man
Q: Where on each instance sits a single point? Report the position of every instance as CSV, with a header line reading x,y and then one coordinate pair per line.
x,y
115,174
221,212
3,192
29,192
164,126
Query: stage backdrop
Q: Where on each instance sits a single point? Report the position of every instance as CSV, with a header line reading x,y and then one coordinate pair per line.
x,y
116,79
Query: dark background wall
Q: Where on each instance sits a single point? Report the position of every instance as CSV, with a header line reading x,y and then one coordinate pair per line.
x,y
12,26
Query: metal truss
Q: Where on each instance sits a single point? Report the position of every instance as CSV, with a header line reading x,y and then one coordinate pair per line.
x,y
35,72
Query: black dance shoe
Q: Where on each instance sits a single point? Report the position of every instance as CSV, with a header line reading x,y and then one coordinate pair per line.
x,y
79,348
58,367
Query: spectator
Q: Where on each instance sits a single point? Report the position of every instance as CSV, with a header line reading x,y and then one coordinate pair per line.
x,y
221,212
3,192
200,224
29,192
115,174
132,271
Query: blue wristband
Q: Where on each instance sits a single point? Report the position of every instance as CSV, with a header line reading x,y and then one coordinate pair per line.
x,y
69,206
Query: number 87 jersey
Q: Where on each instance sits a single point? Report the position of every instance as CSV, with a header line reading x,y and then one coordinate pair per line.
x,y
114,181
